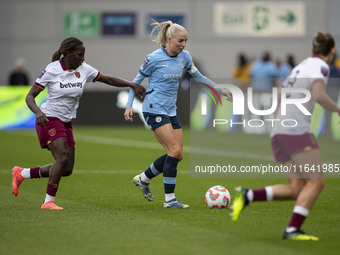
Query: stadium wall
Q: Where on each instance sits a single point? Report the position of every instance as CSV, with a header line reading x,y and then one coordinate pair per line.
x,y
33,29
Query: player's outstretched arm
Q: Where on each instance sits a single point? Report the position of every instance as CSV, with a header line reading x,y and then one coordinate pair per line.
x,y
128,114
200,78
118,82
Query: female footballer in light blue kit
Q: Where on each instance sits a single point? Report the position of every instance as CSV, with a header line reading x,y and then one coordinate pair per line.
x,y
164,68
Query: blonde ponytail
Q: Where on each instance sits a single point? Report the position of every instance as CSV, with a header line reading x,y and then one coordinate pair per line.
x,y
165,29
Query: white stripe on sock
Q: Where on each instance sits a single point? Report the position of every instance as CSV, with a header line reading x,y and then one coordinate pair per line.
x,y
144,178
48,198
269,193
169,196
26,173
301,210
290,229
250,195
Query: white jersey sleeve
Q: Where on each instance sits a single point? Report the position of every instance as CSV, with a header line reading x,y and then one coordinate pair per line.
x,y
91,73
44,78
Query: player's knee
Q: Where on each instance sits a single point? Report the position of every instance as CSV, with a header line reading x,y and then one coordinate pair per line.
x,y
319,184
295,194
177,154
296,189
68,171
64,159
69,168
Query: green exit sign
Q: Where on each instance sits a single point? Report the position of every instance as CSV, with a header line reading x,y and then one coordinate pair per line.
x,y
82,24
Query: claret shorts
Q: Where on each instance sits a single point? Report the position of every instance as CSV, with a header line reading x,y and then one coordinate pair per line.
x,y
285,145
54,129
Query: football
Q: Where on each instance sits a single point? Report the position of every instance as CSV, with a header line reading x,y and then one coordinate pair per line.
x,y
217,197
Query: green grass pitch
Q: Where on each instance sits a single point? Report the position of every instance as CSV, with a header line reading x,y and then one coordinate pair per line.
x,y
104,213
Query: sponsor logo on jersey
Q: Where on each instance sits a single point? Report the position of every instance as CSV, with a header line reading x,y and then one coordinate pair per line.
x,y
173,76
77,74
42,73
71,85
324,71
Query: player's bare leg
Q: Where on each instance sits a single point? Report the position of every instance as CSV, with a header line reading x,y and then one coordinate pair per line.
x,y
308,195
302,189
172,141
314,179
63,165
290,191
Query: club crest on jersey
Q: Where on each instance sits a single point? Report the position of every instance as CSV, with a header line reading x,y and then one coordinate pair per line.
x,y
77,74
42,73
52,132
324,71
158,119
62,77
182,65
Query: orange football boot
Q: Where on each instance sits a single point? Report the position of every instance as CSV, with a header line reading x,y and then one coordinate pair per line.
x,y
17,179
51,205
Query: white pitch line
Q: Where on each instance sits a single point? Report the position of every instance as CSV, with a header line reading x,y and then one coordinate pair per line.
x,y
230,154
186,149
156,146
102,171
118,142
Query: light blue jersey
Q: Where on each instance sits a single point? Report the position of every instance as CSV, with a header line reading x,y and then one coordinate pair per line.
x,y
164,73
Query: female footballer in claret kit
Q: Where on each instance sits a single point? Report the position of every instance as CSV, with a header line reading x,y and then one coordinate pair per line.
x,y
296,148
64,79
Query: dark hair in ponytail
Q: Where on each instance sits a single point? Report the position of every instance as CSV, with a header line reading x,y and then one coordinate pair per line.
x,y
323,43
66,45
